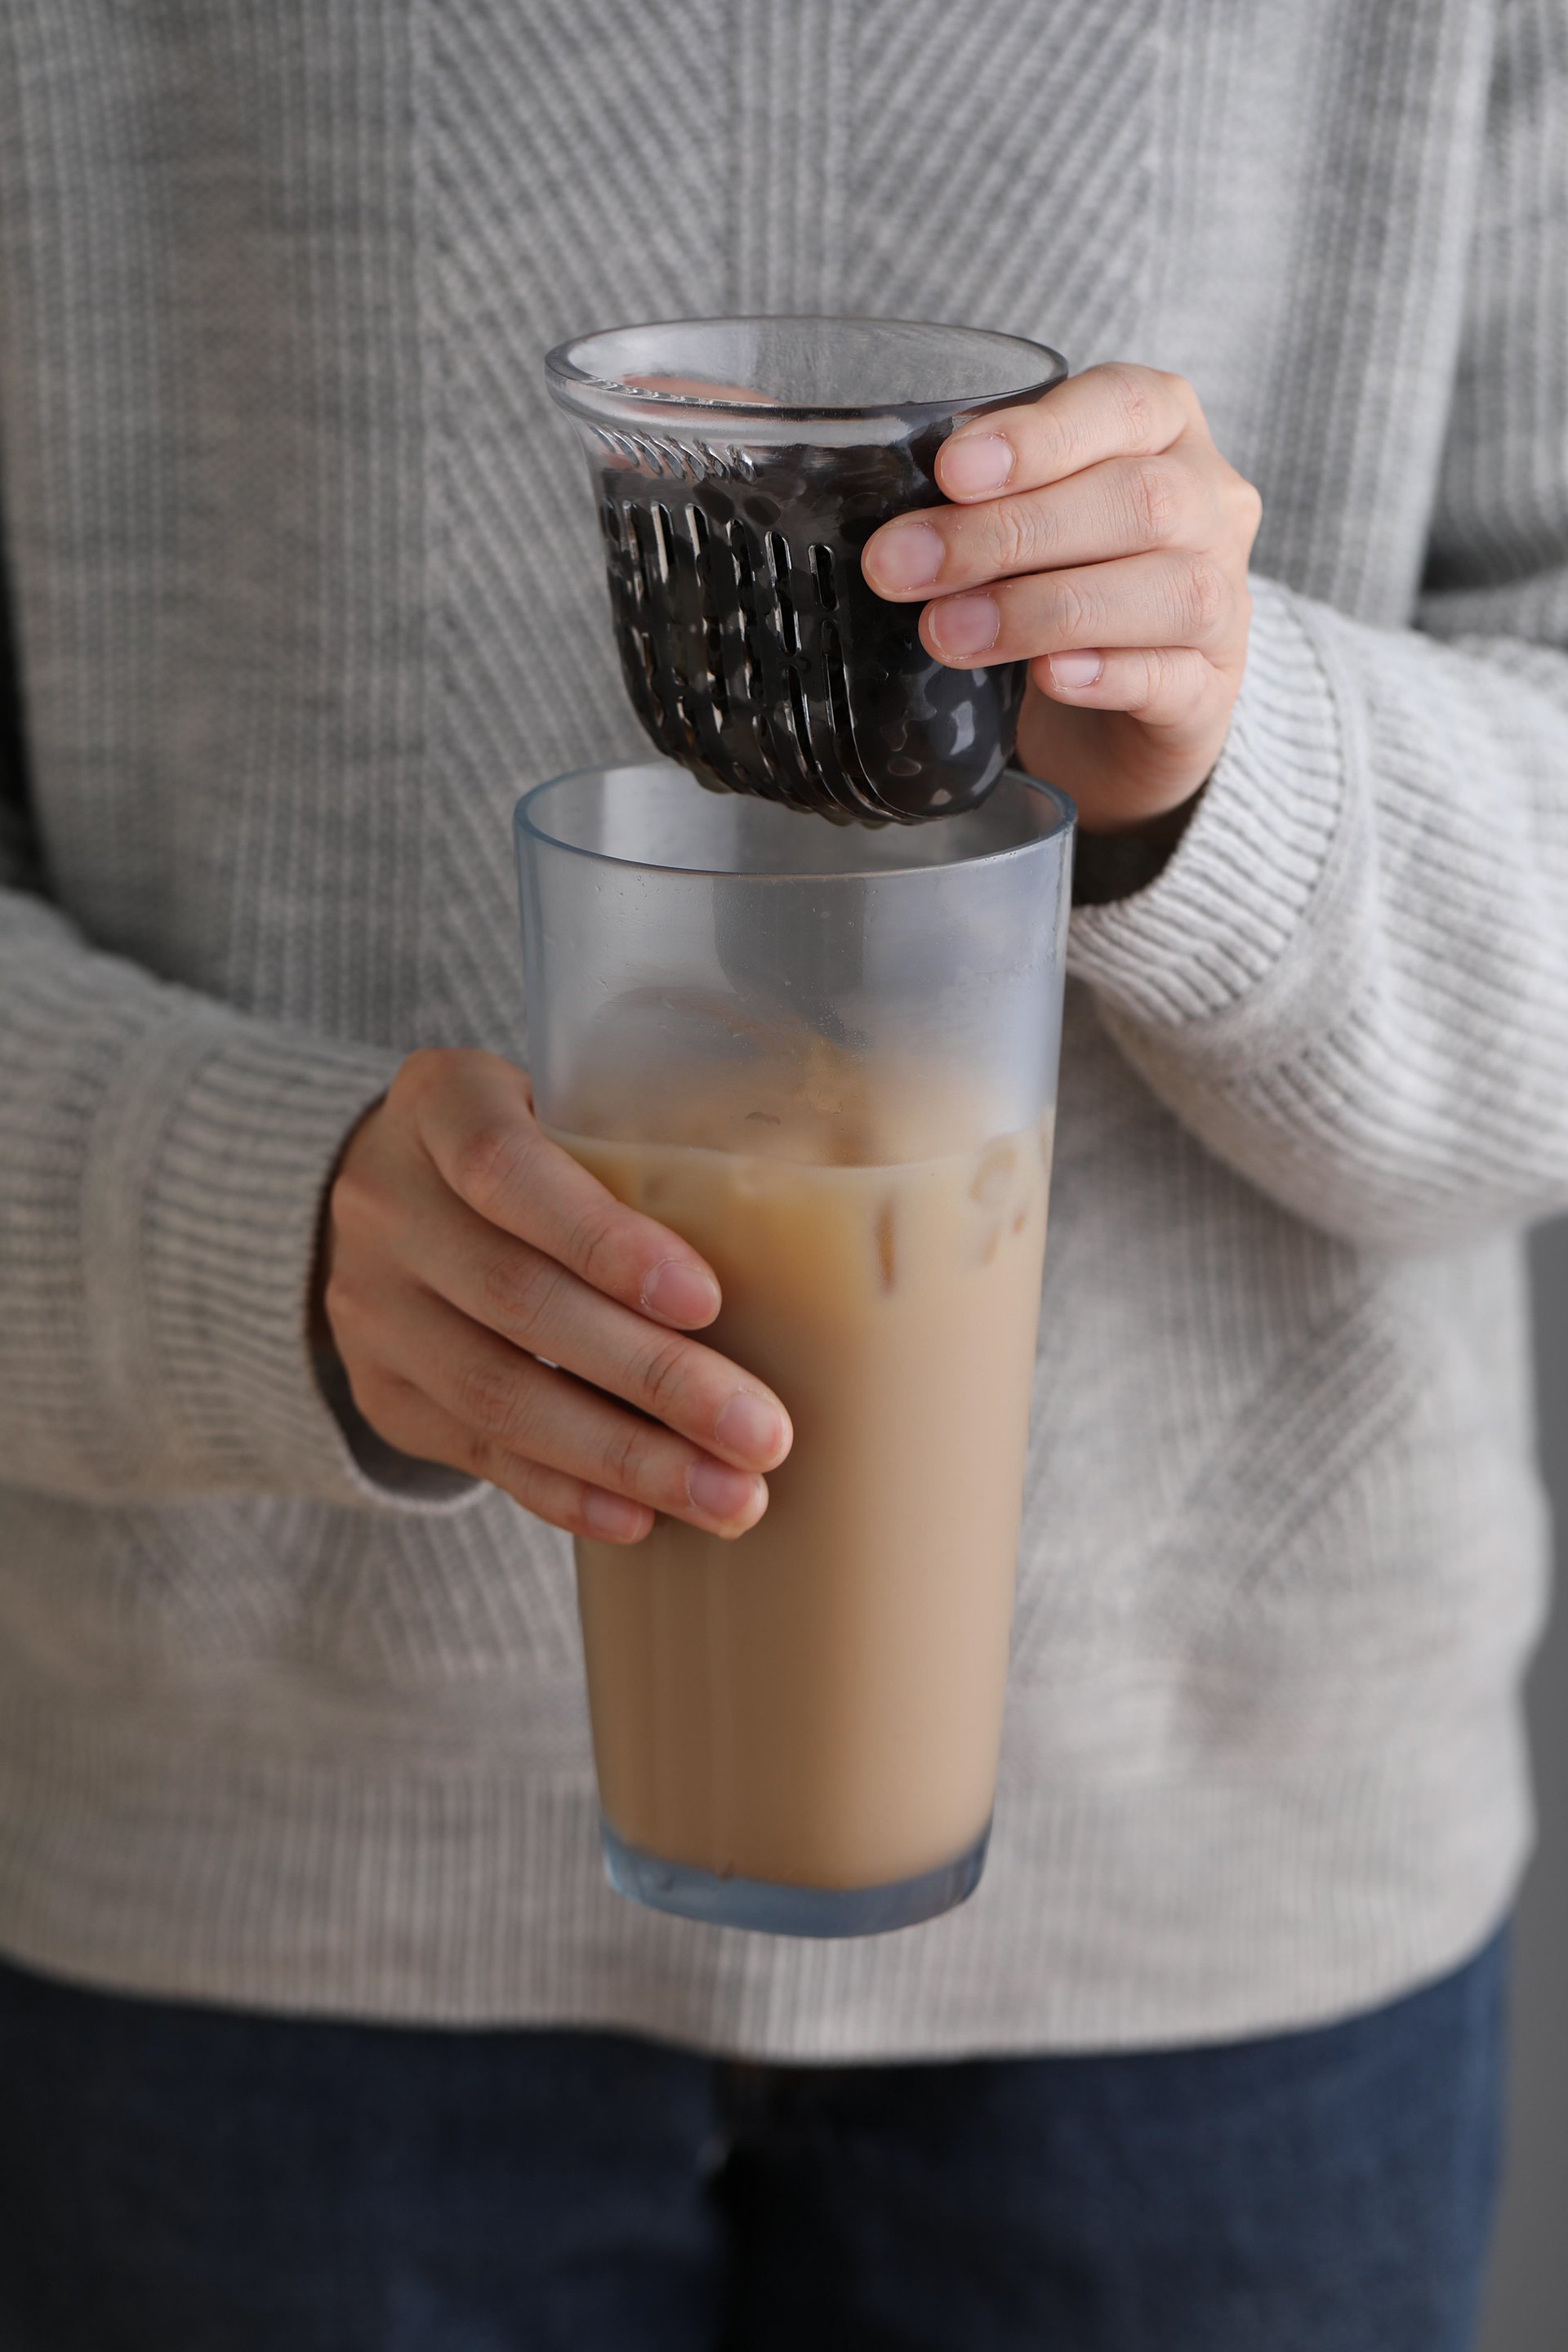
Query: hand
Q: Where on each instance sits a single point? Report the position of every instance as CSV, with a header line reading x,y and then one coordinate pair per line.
x,y
1107,541
462,1248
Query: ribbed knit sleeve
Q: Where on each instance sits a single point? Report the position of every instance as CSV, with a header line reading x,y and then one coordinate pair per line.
x,y
163,1165
163,1162
1352,981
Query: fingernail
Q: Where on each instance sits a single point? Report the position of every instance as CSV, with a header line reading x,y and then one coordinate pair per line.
x,y
678,1293
719,1492
963,626
905,555
972,467
750,1426
1077,669
615,1517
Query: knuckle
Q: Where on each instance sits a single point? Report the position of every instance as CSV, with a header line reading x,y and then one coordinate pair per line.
x,y
1196,691
593,1245
663,1376
347,1305
358,1202
626,1453
1019,535
408,1083
1144,696
1235,509
485,1162
482,1458
422,1070
1077,612
1135,411
1201,596
1174,682
1058,437
423,1075
486,1395
1152,497
517,1288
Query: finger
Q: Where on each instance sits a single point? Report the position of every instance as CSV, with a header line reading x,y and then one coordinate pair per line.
x,y
1162,685
479,1131
1139,600
416,1425
1126,505
1115,411
538,1303
547,1415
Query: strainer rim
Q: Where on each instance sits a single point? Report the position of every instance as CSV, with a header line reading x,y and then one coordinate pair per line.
x,y
566,378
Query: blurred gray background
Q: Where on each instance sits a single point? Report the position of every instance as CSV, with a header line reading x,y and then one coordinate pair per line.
x,y
1528,2305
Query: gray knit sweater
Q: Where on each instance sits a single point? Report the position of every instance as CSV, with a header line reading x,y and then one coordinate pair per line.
x,y
305,590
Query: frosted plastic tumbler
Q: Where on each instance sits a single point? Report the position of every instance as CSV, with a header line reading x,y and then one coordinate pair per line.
x,y
826,1058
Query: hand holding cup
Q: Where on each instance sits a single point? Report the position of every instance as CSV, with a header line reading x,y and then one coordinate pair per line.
x,y
495,1309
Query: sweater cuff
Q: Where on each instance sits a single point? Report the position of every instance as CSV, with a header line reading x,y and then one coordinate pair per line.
x,y
1215,929
209,1167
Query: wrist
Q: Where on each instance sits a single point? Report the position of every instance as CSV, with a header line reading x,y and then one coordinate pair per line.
x,y
1108,867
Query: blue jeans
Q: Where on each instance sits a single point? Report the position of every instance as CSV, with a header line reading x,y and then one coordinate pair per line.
x,y
181,2179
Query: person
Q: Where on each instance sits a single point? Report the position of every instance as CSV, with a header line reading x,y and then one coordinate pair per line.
x,y
317,2024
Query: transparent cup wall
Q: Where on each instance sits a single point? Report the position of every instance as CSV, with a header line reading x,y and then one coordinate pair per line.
x,y
827,1057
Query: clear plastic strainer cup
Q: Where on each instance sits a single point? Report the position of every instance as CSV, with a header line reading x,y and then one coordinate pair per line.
x,y
827,1057
740,465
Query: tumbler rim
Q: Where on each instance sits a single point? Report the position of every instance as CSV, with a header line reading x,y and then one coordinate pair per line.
x,y
1066,818
574,385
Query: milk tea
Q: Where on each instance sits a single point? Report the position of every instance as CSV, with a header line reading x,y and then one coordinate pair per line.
x,y
819,1702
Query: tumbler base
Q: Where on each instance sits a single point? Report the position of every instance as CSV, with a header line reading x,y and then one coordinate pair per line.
x,y
774,1909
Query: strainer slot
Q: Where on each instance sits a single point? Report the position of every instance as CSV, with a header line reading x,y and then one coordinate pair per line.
x,y
836,796
663,537
838,684
634,524
854,769
713,646
630,541
611,521
822,574
699,533
783,572
745,589
688,733
802,722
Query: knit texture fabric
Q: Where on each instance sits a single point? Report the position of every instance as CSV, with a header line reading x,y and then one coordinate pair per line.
x,y
305,589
